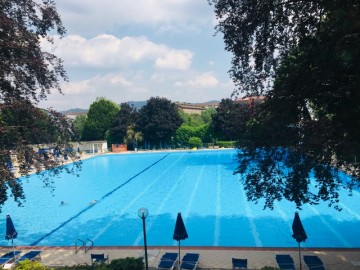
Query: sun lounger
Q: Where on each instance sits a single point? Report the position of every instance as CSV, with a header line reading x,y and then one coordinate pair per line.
x,y
313,262
31,255
6,258
189,261
239,263
167,261
99,258
285,262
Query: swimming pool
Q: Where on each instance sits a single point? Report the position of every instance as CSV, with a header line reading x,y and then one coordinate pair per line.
x,y
199,184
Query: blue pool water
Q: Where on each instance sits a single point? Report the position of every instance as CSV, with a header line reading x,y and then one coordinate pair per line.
x,y
199,184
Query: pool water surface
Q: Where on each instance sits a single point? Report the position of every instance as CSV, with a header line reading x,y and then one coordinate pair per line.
x,y
199,184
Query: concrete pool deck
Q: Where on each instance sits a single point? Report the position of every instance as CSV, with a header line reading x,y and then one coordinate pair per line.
x,y
210,257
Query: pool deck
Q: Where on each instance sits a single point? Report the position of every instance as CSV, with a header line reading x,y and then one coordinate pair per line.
x,y
210,257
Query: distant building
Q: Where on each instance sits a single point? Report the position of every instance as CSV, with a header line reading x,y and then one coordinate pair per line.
x,y
190,108
251,101
197,108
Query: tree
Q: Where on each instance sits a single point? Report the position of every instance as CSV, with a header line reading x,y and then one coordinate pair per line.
x,y
206,115
158,121
79,124
195,142
230,119
99,119
191,119
124,119
310,122
185,132
28,75
132,137
261,33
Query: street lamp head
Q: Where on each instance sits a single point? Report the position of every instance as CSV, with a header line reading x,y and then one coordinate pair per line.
x,y
143,213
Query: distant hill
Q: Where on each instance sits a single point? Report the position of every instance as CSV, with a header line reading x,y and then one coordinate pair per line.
x,y
136,104
75,111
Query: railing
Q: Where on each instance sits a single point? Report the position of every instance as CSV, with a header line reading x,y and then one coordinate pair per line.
x,y
88,246
84,244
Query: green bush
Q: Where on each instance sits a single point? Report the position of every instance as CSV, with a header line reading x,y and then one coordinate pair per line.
x,y
78,267
195,142
269,268
30,265
127,264
226,144
118,264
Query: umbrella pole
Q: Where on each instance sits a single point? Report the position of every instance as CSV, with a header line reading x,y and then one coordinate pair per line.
x,y
179,257
299,256
12,242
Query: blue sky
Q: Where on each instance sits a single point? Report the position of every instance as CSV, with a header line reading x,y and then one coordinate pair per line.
x,y
131,50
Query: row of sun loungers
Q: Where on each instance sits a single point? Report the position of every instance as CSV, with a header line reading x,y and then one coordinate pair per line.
x,y
312,262
168,261
189,262
14,257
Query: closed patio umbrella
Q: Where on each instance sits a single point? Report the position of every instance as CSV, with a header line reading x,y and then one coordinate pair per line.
x,y
11,233
299,233
179,231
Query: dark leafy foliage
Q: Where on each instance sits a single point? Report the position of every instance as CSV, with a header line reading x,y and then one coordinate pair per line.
x,y
308,126
158,121
230,119
259,33
126,117
27,75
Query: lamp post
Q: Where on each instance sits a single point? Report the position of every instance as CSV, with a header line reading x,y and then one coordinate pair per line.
x,y
143,213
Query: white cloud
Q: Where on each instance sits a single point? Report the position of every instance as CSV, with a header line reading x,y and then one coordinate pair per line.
x,y
107,51
175,60
133,50
201,81
110,15
92,85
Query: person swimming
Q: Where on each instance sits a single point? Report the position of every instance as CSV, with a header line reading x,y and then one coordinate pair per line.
x,y
93,202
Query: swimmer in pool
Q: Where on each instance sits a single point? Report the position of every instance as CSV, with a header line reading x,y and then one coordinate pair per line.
x,y
93,202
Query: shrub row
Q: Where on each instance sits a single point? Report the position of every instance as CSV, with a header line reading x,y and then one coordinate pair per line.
x,y
117,264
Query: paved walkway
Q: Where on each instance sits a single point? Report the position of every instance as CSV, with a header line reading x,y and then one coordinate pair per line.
x,y
210,257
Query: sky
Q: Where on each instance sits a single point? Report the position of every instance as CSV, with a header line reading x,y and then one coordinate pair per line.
x,y
132,50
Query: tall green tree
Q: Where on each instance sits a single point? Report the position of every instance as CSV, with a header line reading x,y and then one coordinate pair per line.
x,y
99,119
185,132
79,124
27,75
158,121
125,118
304,55
206,115
230,119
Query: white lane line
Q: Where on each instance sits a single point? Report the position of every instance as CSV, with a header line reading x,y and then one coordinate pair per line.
x,y
132,202
331,229
351,212
161,206
250,216
217,209
194,191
